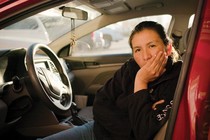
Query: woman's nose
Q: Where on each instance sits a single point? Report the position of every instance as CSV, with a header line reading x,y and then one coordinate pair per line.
x,y
146,55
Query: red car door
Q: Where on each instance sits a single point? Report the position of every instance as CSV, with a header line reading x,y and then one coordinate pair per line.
x,y
191,113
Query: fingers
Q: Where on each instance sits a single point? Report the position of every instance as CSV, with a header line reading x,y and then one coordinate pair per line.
x,y
157,103
153,68
160,67
158,63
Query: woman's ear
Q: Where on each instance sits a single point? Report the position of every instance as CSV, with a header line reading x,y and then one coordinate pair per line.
x,y
169,49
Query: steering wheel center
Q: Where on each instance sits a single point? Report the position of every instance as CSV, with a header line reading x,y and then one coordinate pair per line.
x,y
54,89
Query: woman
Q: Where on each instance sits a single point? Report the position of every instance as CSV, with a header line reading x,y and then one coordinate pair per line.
x,y
136,102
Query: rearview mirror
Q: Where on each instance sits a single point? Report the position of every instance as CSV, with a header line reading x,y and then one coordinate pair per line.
x,y
74,13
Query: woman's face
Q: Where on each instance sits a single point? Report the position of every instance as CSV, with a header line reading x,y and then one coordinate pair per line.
x,y
145,45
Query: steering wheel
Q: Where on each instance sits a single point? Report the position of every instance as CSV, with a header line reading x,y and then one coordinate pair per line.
x,y
54,90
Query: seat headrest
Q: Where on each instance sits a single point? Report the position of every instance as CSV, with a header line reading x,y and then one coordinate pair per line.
x,y
186,38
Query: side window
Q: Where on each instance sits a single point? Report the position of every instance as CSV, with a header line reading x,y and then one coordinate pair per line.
x,y
113,39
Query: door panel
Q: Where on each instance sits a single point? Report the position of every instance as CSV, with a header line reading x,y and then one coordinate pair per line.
x,y
92,74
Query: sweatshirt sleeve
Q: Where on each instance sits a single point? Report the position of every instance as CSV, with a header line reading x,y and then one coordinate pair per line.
x,y
146,122
106,112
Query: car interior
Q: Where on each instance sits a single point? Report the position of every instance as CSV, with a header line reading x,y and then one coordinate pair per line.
x,y
47,86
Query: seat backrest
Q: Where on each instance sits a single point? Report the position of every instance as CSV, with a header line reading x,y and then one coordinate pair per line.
x,y
185,40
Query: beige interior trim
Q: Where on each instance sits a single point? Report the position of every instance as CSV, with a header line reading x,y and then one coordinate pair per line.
x,y
161,134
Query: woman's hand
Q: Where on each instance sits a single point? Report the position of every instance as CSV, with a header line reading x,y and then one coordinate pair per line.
x,y
157,103
150,71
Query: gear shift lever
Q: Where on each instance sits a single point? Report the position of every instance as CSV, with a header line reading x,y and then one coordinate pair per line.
x,y
74,109
76,120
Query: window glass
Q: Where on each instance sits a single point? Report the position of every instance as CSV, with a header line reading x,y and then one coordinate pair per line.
x,y
45,26
26,24
113,39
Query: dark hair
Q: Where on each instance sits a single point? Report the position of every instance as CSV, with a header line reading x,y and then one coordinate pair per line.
x,y
150,25
160,31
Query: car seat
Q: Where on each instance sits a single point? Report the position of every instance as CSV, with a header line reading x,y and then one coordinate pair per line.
x,y
185,42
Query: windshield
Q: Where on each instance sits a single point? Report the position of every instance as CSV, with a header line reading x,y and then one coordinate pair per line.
x,y
46,26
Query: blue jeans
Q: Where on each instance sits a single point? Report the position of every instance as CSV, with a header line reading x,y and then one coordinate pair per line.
x,y
83,132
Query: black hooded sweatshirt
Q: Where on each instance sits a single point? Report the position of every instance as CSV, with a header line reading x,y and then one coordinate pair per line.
x,y
121,114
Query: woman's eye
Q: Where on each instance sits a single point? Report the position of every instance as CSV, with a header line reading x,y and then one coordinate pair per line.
x,y
151,46
137,50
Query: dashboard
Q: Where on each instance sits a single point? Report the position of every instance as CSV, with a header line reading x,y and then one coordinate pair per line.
x,y
17,90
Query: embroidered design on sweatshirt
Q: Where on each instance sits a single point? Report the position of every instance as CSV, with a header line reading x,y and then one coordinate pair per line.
x,y
162,115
